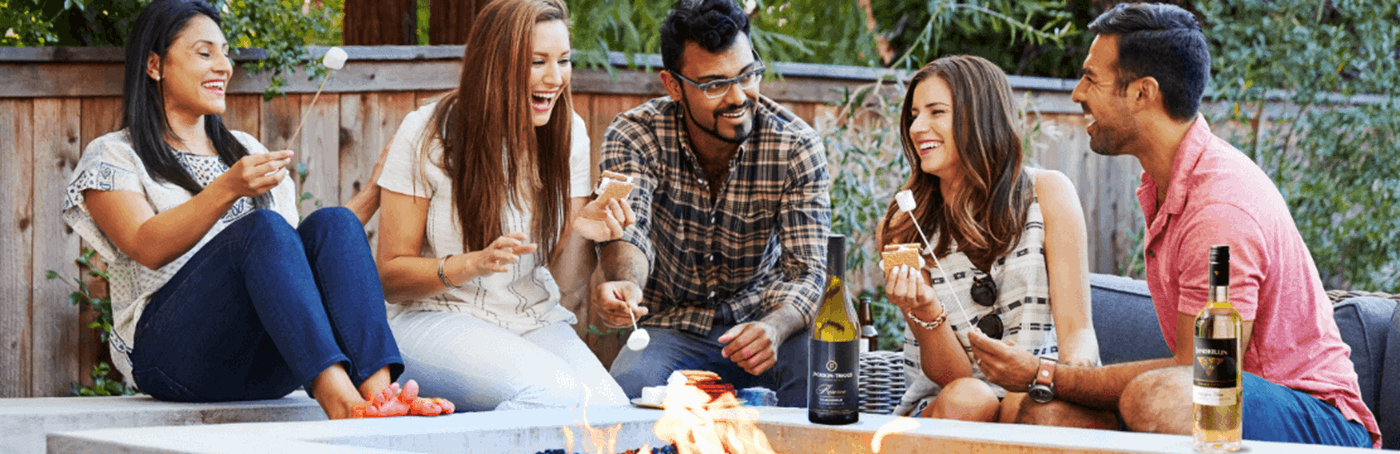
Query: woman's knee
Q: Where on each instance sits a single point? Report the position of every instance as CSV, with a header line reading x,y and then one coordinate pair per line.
x,y
966,399
332,218
557,388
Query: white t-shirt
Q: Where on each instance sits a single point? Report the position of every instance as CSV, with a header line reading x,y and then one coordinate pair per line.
x,y
111,164
521,299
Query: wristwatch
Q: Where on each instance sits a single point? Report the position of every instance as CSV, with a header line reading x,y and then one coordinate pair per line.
x,y
1043,388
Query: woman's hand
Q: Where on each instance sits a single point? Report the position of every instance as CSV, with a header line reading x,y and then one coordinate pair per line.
x,y
908,288
503,251
255,174
602,220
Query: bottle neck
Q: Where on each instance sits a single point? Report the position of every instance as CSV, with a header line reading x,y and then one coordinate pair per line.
x,y
1219,294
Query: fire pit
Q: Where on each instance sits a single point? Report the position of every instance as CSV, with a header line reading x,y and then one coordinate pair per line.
x,y
630,428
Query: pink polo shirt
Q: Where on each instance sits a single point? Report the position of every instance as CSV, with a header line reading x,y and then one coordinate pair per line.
x,y
1219,196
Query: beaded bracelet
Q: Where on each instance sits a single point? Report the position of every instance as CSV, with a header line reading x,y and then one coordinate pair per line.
x,y
442,275
928,325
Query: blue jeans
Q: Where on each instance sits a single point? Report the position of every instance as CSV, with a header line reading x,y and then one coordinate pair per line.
x,y
671,350
264,308
1278,413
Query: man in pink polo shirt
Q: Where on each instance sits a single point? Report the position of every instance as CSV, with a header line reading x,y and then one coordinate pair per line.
x,y
1141,88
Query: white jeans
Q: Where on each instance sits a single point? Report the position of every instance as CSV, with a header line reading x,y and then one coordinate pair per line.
x,y
480,366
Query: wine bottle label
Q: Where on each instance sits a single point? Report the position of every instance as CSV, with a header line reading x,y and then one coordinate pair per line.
x,y
1216,378
833,388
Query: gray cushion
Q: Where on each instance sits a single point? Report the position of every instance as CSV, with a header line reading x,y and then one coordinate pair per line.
x,y
1369,326
1124,320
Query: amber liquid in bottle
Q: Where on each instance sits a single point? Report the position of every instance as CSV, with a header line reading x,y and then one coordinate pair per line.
x,y
1217,390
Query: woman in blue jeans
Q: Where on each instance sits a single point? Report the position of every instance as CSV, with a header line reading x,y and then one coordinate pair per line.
x,y
216,295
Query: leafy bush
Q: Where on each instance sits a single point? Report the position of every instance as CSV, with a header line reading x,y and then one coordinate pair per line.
x,y
280,27
1292,71
102,385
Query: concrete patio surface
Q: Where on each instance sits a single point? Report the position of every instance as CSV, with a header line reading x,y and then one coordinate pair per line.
x,y
531,431
24,423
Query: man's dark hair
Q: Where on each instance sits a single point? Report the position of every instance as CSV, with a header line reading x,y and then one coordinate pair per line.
x,y
1163,42
713,24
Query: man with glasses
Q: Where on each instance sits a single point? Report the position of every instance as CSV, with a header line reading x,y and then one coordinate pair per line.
x,y
725,265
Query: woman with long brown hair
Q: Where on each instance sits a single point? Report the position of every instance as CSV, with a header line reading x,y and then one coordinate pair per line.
x,y
476,193
1009,238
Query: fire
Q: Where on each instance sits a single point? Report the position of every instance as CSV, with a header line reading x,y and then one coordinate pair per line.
x,y
697,424
597,441
898,425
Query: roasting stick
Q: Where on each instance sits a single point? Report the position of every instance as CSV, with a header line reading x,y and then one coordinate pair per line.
x,y
334,59
906,202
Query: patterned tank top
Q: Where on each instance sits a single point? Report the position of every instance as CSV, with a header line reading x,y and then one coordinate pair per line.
x,y
1022,304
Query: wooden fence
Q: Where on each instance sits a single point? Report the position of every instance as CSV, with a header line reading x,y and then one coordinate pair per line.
x,y
53,101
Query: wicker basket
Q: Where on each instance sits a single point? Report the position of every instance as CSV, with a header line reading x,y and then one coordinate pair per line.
x,y
881,381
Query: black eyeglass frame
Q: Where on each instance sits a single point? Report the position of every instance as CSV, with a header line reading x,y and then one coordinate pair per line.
x,y
730,83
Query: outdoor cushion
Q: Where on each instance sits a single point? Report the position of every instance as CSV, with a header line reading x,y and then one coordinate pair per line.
x,y
1124,320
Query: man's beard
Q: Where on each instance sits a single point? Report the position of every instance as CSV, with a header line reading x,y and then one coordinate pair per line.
x,y
741,132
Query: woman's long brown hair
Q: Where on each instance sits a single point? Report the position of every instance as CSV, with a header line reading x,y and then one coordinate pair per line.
x,y
491,150
988,215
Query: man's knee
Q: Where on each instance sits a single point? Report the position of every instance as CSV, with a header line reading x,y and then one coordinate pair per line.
x,y
1158,401
1064,414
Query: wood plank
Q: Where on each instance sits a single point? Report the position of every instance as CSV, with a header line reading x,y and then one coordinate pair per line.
x,y
16,238
807,111
390,110
279,117
359,149
244,113
425,97
55,320
320,151
100,116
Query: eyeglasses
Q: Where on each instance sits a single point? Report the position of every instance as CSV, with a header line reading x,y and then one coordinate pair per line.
x,y
718,87
984,293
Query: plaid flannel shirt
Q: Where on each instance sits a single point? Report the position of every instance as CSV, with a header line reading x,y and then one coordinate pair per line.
x,y
760,246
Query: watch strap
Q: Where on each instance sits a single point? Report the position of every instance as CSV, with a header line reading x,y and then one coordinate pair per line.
x,y
1045,374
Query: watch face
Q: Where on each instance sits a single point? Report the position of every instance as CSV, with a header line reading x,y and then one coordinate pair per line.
x,y
1041,393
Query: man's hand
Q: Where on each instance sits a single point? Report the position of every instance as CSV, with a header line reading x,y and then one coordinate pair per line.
x,y
753,346
614,300
1003,364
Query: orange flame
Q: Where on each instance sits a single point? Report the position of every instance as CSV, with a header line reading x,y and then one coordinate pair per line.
x,y
597,441
898,425
697,424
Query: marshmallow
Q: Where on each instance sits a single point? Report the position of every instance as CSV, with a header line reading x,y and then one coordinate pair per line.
x,y
905,199
335,58
639,339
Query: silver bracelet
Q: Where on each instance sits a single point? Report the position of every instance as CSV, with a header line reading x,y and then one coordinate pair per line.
x,y
937,321
442,275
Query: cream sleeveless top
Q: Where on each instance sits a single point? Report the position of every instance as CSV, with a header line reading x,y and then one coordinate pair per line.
x,y
1022,303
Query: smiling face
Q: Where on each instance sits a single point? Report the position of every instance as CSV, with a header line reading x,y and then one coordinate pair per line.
x,y
931,130
550,69
730,117
1112,126
195,70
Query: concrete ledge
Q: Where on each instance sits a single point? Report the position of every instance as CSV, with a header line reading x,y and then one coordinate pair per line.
x,y
24,423
531,431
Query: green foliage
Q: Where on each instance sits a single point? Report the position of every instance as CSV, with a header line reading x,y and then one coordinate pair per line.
x,y
1335,162
102,386
281,27
1028,36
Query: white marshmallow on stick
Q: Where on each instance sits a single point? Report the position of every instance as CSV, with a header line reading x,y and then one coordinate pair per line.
x,y
639,338
906,202
334,59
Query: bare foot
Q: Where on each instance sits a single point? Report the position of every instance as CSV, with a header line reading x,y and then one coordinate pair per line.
x,y
396,401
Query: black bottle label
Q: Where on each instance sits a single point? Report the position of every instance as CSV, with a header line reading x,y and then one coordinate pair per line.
x,y
1216,377
834,386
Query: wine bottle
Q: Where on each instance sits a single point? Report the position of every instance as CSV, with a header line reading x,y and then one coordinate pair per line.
x,y
1216,388
869,336
833,394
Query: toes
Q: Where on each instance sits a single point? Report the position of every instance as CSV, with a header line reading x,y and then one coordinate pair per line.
x,y
409,393
447,406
